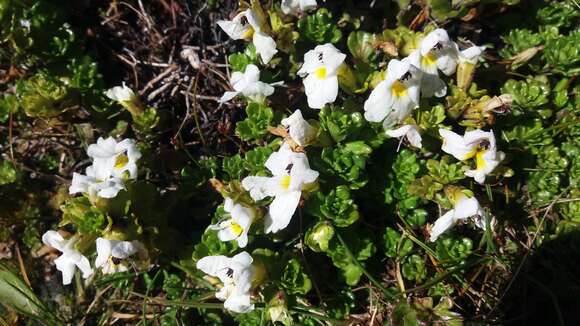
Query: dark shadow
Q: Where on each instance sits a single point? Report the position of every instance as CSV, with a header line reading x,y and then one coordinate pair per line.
x,y
547,290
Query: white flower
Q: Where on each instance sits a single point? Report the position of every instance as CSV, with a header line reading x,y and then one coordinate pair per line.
x,y
301,132
467,60
112,254
121,94
236,275
436,52
463,207
320,68
238,28
70,258
248,84
394,98
470,55
297,6
477,143
94,187
237,227
290,174
114,159
411,132
245,25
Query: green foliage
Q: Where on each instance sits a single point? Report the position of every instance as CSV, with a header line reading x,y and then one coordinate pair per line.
x,y
238,61
8,104
339,207
396,246
369,194
81,213
43,96
518,40
347,162
559,14
259,117
294,279
318,237
14,293
405,169
453,250
340,124
360,246
362,46
413,268
563,53
7,173
529,93
319,27
444,171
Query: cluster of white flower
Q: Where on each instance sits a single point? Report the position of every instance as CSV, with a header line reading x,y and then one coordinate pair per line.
x,y
391,102
291,175
395,98
112,255
113,165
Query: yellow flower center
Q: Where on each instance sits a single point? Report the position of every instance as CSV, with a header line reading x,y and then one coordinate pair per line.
x,y
480,163
470,154
428,60
399,89
121,161
455,196
320,73
285,182
236,228
248,33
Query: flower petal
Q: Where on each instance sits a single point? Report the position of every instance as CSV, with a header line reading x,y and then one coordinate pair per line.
x,y
54,239
379,104
103,251
281,211
265,46
442,224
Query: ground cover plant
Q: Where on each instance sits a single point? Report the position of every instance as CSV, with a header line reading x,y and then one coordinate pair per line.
x,y
289,162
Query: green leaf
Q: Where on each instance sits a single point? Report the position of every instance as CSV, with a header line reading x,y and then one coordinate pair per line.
x,y
238,61
452,250
259,117
417,217
318,237
15,294
345,164
404,315
294,279
528,93
445,172
319,27
442,9
233,166
84,216
43,96
8,104
8,173
362,46
563,53
413,268
340,124
339,207
255,159
559,14
361,246
394,245
519,40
